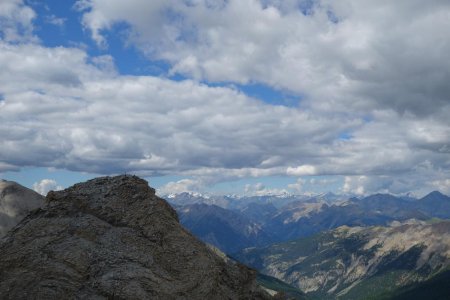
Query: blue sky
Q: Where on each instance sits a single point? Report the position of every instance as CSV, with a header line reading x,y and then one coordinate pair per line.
x,y
229,97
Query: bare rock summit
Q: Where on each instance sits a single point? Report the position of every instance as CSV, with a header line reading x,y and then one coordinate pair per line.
x,y
113,238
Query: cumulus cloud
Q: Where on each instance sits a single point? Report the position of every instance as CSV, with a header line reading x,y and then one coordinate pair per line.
x,y
418,184
298,185
342,55
180,186
16,21
98,121
46,185
95,120
372,76
259,189
301,170
442,185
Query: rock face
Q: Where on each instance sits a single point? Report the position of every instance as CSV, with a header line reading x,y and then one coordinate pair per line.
x,y
112,238
16,202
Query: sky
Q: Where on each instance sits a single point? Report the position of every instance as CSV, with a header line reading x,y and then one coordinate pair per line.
x,y
245,97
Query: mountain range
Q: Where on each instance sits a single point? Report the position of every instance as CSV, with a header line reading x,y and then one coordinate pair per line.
x,y
112,237
377,247
236,202
259,221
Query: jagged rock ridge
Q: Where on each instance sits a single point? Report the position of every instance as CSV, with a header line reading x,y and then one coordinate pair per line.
x,y
16,202
111,237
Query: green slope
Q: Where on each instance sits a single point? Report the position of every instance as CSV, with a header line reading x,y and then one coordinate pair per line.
x,y
436,288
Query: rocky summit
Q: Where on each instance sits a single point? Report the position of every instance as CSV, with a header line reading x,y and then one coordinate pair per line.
x,y
113,238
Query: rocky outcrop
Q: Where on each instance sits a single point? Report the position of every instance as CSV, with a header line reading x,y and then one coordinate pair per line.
x,y
16,202
112,238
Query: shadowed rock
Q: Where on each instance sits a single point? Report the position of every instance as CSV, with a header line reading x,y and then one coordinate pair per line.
x,y
111,237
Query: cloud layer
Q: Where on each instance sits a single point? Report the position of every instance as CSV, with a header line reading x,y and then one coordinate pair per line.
x,y
343,55
98,121
373,79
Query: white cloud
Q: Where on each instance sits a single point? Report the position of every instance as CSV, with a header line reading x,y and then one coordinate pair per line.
x,y
46,185
379,75
183,185
418,183
258,189
442,185
92,119
301,170
16,21
342,55
54,20
355,185
298,185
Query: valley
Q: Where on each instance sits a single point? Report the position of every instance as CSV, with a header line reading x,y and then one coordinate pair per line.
x,y
376,247
357,262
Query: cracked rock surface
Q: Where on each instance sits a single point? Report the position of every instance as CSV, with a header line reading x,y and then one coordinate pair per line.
x,y
113,238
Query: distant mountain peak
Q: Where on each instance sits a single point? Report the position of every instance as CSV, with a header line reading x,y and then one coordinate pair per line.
x,y
435,193
381,197
436,196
